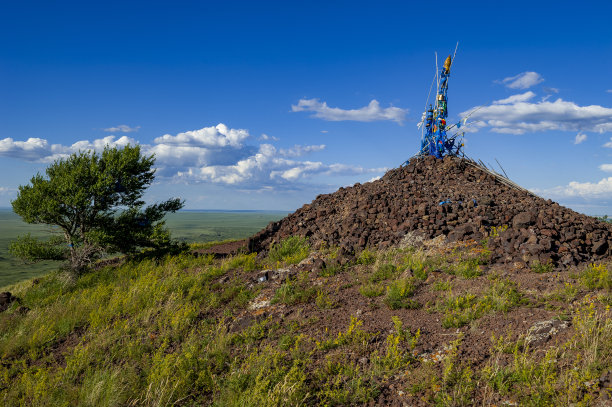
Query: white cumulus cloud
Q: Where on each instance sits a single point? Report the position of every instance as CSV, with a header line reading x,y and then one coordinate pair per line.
x,y
298,151
265,137
214,154
588,190
122,128
606,167
521,97
580,138
516,115
371,112
523,80
37,149
214,136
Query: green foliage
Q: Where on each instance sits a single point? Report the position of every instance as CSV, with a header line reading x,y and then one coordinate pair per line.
x,y
294,291
330,270
457,383
399,293
496,230
324,300
442,286
353,336
95,201
466,268
170,331
33,249
404,334
341,383
383,272
366,257
597,276
538,267
246,262
372,290
564,375
290,251
460,310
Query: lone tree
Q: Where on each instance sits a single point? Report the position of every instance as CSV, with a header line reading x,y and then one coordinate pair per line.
x,y
95,202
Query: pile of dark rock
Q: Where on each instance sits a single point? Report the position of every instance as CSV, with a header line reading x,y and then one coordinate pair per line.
x,y
6,298
451,197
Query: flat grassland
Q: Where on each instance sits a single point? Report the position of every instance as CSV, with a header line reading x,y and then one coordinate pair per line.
x,y
187,226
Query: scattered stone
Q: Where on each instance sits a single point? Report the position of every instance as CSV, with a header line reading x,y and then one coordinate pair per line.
x,y
542,331
6,298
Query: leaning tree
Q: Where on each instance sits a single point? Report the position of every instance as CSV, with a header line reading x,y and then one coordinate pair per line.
x,y
93,201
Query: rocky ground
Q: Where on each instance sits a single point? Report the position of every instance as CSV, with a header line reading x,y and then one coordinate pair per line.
x,y
535,261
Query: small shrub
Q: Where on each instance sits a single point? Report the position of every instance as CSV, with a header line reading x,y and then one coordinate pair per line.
x,y
290,251
442,286
324,301
384,272
366,257
462,309
293,291
468,268
247,262
597,276
399,293
330,270
396,357
538,267
372,290
354,336
496,230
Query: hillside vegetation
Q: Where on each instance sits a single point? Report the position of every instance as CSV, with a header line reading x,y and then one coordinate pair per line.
x,y
437,325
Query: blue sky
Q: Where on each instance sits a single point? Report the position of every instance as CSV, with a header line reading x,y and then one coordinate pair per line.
x,y
264,105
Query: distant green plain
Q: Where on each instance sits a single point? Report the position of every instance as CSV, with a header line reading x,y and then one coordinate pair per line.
x,y
186,226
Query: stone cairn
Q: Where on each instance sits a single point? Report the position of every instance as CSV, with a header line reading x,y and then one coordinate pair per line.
x,y
452,197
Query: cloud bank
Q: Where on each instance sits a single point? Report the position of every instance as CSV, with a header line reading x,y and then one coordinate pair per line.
x,y
216,154
371,112
517,115
587,190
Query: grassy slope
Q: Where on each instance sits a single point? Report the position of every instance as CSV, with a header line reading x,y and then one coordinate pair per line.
x,y
186,226
168,333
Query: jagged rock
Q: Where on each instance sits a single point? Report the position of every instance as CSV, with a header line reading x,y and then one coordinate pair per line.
x,y
600,247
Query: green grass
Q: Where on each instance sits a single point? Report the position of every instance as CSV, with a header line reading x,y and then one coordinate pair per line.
x,y
563,375
597,276
459,310
173,332
294,291
290,251
372,290
187,226
538,267
399,293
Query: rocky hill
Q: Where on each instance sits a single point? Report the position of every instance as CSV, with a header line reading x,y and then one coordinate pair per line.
x,y
428,287
451,197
